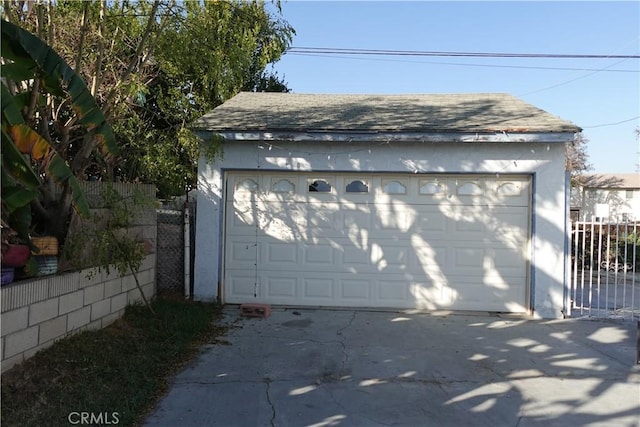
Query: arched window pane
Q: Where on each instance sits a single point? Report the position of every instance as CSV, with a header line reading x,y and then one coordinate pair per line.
x,y
247,185
283,186
357,186
320,186
469,189
508,189
394,187
431,188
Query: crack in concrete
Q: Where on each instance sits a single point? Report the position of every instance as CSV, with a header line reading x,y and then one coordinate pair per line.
x,y
267,382
345,354
424,381
353,317
328,379
256,381
297,339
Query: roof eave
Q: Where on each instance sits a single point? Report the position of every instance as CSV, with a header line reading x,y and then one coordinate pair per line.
x,y
324,136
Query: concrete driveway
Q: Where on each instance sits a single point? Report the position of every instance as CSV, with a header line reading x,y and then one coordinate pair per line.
x,y
304,367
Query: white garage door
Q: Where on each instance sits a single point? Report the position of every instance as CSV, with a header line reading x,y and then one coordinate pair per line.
x,y
375,240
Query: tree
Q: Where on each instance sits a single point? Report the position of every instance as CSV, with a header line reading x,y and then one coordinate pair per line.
x,y
153,66
577,159
215,50
27,60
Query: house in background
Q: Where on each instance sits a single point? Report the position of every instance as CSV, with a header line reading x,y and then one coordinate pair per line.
x,y
607,197
431,201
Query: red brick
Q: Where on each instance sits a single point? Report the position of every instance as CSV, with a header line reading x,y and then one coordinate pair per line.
x,y
255,310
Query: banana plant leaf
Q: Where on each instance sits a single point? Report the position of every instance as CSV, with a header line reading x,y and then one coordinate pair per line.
x,y
28,141
18,139
10,111
25,48
15,166
15,197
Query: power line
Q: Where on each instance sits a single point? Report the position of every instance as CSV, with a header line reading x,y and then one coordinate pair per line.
x,y
573,79
525,67
384,52
612,124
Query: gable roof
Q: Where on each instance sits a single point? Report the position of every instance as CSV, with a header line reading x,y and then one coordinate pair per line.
x,y
420,113
611,180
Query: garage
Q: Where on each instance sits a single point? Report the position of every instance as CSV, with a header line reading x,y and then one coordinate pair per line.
x,y
421,201
378,240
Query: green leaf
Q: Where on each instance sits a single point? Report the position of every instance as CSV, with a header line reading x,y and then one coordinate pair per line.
x,y
15,197
22,99
57,72
61,172
10,112
14,164
18,71
20,221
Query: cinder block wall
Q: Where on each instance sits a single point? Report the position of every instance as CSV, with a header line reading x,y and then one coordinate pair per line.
x,y
37,312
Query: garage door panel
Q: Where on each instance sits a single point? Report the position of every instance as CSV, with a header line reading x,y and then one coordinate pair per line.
x,y
321,216
431,296
441,241
430,259
321,256
507,259
281,287
244,214
318,290
356,220
400,219
356,256
355,291
392,293
470,229
391,254
241,286
242,254
283,255
467,258
512,226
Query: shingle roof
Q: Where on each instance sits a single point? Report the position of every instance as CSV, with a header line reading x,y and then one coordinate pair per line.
x,y
611,180
428,113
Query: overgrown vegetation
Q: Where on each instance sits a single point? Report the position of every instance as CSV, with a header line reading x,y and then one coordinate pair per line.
x,y
154,66
123,369
106,239
577,159
106,91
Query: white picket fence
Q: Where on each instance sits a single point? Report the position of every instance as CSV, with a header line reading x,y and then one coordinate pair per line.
x,y
605,278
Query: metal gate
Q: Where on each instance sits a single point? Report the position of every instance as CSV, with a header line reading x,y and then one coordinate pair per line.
x,y
605,270
175,254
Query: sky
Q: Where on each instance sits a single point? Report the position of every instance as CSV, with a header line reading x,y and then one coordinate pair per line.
x,y
600,95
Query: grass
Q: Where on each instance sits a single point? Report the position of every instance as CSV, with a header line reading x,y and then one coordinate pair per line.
x,y
124,368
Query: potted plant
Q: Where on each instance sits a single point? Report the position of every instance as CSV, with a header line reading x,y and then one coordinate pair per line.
x,y
15,253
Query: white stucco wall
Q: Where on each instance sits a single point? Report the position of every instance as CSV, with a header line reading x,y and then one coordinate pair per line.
x,y
618,204
544,161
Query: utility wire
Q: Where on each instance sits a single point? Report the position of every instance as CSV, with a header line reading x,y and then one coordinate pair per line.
x,y
346,51
612,124
525,67
571,80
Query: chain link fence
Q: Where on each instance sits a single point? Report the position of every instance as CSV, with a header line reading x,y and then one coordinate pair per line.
x,y
170,265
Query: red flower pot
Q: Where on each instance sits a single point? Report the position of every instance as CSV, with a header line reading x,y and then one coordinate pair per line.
x,y
16,256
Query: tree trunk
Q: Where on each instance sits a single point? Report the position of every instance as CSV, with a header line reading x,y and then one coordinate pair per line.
x,y
83,32
97,70
136,59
